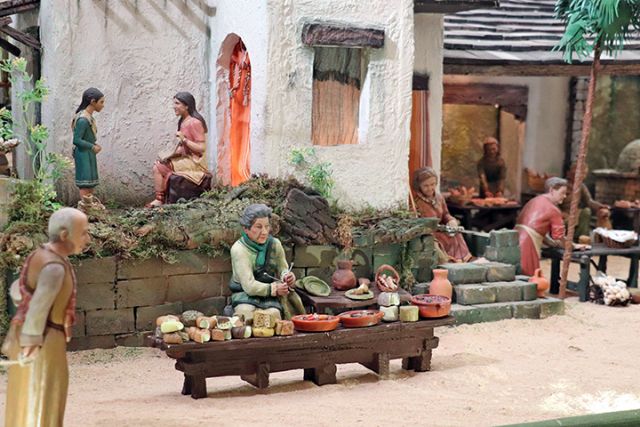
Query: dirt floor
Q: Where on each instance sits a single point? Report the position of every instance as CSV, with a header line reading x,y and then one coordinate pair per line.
x,y
486,374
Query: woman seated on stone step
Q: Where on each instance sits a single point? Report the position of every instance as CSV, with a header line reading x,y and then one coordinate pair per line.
x,y
261,276
189,159
431,204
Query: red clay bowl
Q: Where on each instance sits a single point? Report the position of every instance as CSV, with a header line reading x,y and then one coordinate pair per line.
x,y
360,318
315,322
432,305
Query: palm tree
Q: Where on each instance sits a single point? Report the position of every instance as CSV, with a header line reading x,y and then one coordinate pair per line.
x,y
591,27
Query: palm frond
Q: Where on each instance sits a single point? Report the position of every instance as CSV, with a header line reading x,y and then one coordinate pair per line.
x,y
606,23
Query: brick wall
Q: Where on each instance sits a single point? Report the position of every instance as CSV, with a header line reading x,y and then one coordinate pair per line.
x,y
119,300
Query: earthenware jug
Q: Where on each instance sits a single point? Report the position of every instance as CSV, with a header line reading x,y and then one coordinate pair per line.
x,y
542,284
343,278
440,285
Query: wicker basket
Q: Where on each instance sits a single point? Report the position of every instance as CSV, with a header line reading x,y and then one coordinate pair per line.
x,y
614,244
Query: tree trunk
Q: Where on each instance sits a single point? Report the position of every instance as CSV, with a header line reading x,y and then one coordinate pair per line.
x,y
579,177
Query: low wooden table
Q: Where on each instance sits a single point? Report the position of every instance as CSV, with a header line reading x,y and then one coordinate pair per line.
x,y
317,353
337,302
485,218
584,258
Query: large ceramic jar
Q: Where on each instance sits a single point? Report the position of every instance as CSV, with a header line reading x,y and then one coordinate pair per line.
x,y
343,278
542,284
440,285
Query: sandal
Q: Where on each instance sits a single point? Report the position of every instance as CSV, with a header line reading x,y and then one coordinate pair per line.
x,y
158,201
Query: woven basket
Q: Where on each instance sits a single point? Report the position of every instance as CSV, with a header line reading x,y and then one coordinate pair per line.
x,y
614,244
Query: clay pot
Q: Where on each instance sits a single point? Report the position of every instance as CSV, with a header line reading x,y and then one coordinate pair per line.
x,y
432,305
440,285
541,283
343,278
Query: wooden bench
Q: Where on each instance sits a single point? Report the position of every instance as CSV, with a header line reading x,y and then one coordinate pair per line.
x,y
317,353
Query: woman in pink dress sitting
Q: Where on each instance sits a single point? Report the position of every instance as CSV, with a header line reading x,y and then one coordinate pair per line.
x,y
430,204
189,161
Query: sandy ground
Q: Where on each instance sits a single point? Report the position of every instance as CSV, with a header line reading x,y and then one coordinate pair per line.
x,y
486,374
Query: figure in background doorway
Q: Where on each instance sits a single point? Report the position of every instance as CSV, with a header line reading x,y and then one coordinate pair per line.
x,y
189,160
540,221
240,110
492,170
45,296
586,206
430,204
85,147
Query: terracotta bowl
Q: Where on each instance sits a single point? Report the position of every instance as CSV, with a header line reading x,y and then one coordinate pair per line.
x,y
432,305
360,318
315,322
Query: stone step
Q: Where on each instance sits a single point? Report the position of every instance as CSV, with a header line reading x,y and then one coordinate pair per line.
x,y
540,308
488,293
469,273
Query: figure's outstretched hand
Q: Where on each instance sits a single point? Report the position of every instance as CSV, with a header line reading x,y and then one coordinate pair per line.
x,y
289,279
282,289
30,351
97,148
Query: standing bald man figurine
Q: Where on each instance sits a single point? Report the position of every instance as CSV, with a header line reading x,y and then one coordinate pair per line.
x,y
46,297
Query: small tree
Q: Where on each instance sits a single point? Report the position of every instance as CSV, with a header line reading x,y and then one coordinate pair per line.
x,y
34,199
591,27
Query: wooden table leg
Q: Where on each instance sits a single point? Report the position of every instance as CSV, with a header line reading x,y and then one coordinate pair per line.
x,y
420,363
325,374
583,284
197,385
602,263
632,281
261,378
379,364
186,386
555,276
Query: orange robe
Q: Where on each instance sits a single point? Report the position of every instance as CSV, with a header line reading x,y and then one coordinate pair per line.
x,y
240,109
540,216
454,246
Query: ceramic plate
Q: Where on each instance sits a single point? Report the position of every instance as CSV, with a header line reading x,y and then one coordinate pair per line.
x,y
350,294
316,286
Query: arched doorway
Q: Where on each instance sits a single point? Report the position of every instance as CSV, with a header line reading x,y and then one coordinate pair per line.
x,y
234,111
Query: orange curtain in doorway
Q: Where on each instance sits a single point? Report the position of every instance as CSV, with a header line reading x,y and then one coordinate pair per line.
x,y
420,149
240,111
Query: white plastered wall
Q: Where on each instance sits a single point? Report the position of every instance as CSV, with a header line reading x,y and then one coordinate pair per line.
x,y
373,172
545,131
428,61
246,19
139,53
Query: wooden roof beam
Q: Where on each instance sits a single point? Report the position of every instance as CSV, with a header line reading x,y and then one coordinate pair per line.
x,y
615,69
22,37
452,6
11,7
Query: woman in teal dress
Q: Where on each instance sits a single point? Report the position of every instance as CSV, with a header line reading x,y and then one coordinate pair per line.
x,y
85,147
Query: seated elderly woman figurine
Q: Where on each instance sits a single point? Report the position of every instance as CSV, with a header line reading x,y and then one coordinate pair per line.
x,y
431,204
261,276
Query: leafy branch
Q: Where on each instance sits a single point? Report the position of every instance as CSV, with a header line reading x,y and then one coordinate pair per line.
x,y
318,174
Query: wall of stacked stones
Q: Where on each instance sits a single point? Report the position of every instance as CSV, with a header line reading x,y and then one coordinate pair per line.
x,y
118,300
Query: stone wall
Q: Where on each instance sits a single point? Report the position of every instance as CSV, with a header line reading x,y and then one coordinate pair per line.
x,y
119,300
